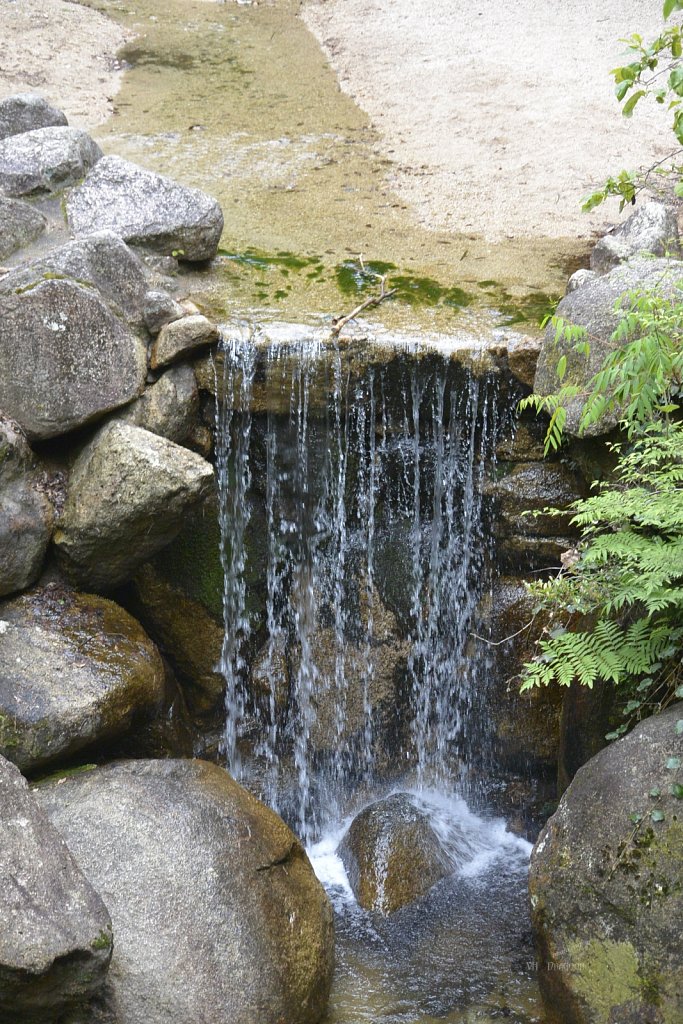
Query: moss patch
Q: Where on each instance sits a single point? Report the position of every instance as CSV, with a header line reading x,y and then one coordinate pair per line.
x,y
605,974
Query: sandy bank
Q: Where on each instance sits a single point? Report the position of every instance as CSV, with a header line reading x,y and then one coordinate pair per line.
x,y
498,117
63,51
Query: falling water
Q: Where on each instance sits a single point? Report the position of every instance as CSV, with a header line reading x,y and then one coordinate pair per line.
x,y
352,502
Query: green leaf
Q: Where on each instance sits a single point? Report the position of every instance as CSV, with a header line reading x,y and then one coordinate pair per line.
x,y
673,763
655,791
657,815
676,81
561,367
622,88
679,727
670,6
630,104
678,126
678,692
636,818
677,790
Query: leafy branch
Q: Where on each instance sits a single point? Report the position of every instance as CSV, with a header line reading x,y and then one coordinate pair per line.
x,y
653,69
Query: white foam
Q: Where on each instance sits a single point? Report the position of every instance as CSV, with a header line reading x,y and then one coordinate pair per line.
x,y
474,844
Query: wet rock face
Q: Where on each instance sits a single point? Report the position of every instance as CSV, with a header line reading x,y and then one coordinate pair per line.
x,y
25,112
65,358
526,725
216,911
75,669
146,209
45,160
527,538
20,224
652,228
606,896
128,495
187,633
392,855
56,938
592,306
25,512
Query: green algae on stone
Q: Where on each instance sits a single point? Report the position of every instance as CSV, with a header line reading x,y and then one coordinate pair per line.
x,y
605,974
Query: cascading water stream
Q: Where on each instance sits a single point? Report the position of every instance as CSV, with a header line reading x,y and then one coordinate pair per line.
x,y
367,526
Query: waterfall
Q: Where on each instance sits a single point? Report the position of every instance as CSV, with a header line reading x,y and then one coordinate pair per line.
x,y
356,549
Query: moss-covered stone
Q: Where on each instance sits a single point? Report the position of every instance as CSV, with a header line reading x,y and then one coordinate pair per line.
x,y
606,885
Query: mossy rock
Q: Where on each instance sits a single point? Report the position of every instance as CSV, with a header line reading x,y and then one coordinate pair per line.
x,y
607,891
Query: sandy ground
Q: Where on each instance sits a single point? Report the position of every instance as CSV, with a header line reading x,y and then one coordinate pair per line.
x,y
499,116
495,120
63,51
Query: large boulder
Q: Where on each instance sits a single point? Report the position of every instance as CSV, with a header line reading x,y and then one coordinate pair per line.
x,y
65,357
392,855
146,209
20,224
75,670
25,512
128,495
56,938
593,306
101,261
653,228
25,112
169,407
45,160
216,911
606,885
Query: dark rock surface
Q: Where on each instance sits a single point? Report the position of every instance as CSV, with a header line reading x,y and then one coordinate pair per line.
x,y
607,894
27,111
146,209
392,855
128,495
217,914
55,938
75,670
25,512
530,487
45,160
526,725
20,224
